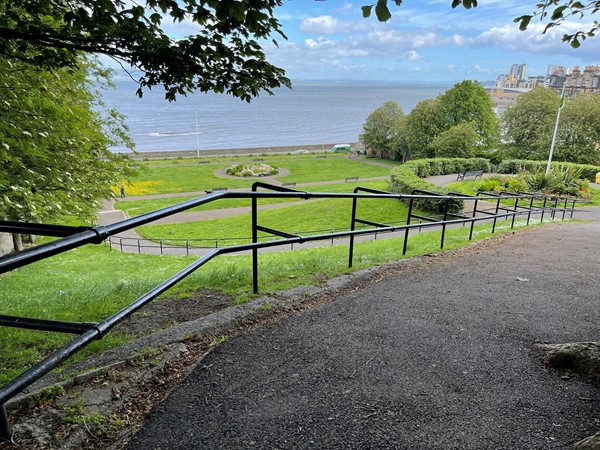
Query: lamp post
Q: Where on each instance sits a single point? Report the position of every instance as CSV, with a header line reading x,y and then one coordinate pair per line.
x,y
560,107
197,137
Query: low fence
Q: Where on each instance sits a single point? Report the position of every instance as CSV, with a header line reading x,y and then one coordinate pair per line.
x,y
478,209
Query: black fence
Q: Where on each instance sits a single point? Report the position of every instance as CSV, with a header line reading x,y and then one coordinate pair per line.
x,y
486,208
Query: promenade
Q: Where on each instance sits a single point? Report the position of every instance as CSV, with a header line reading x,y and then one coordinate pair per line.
x,y
432,353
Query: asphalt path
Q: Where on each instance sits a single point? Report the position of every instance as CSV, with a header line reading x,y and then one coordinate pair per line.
x,y
436,353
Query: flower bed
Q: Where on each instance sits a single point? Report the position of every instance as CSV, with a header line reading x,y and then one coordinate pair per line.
x,y
251,170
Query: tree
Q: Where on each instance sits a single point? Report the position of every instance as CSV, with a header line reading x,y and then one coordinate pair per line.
x,y
423,124
559,11
468,101
54,140
460,141
578,138
224,55
528,125
383,130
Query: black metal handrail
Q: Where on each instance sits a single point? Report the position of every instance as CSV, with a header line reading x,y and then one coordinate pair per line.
x,y
73,237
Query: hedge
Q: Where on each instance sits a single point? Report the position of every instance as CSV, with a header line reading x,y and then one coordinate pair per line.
x,y
409,176
517,165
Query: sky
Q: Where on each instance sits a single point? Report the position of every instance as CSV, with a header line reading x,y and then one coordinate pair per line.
x,y
426,40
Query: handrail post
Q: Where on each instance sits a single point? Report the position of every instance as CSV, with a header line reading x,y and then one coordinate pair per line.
x,y
254,240
473,221
530,209
5,431
446,203
351,247
544,209
410,207
496,215
512,224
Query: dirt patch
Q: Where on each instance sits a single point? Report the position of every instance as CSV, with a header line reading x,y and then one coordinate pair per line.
x,y
173,311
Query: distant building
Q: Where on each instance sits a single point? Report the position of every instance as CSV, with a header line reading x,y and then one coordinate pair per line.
x,y
586,82
518,71
509,86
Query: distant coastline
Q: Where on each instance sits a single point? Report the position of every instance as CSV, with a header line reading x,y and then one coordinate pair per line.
x,y
312,148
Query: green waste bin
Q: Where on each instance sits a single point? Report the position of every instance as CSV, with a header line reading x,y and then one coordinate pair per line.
x,y
598,178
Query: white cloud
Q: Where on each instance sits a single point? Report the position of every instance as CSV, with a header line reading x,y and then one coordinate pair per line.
x,y
325,25
412,55
319,43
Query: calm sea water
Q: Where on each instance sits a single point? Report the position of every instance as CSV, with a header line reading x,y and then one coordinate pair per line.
x,y
311,113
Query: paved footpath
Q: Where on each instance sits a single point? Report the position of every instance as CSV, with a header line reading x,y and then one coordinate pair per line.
x,y
435,353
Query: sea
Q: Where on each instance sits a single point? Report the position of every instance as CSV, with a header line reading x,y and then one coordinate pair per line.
x,y
312,112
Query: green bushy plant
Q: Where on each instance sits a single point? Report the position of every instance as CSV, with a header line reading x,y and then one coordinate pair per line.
x,y
515,166
493,183
408,177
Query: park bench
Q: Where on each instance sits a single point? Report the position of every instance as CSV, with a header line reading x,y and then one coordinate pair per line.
x,y
352,179
322,157
203,162
258,160
470,173
288,184
216,189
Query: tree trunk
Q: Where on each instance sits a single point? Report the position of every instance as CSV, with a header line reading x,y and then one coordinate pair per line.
x,y
17,242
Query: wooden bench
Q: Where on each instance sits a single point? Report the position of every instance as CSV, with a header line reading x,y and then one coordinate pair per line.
x,y
322,157
470,173
257,160
288,184
352,179
203,162
216,189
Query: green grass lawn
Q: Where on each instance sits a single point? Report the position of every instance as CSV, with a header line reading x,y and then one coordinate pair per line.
x,y
154,178
315,216
91,283
136,207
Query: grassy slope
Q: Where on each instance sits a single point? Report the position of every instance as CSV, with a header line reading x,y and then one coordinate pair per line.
x,y
83,284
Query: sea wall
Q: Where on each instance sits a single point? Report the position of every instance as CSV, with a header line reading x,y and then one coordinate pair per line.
x,y
235,151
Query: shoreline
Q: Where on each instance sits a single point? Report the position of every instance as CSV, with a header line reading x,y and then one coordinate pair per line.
x,y
166,154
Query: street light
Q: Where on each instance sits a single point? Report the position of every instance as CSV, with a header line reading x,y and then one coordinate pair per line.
x,y
560,107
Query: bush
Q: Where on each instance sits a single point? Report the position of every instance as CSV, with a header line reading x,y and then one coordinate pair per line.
x,y
494,183
408,177
514,166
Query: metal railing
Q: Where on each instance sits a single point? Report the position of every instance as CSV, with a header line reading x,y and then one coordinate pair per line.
x,y
503,206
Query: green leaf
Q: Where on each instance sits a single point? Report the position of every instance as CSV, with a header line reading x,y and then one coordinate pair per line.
x,y
366,11
382,12
575,43
455,3
577,5
524,22
558,12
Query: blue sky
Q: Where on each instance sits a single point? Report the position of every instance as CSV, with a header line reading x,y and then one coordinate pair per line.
x,y
426,40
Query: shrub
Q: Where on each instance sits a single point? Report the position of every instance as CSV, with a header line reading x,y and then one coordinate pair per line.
x,y
514,166
408,177
494,183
